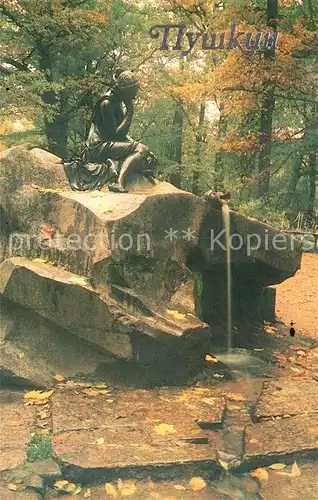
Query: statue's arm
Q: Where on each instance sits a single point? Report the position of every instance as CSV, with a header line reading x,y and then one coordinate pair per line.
x,y
116,133
124,127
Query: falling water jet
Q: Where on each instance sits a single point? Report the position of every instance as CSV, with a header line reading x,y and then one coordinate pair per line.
x,y
227,227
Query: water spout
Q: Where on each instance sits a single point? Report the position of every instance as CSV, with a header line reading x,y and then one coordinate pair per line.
x,y
227,227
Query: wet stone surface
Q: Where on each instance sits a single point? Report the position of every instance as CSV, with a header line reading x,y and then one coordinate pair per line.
x,y
288,396
19,494
136,428
303,487
239,488
272,440
75,410
16,426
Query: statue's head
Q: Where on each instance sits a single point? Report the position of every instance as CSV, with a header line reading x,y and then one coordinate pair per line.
x,y
126,85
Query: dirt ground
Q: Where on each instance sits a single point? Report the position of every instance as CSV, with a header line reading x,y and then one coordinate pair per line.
x,y
297,298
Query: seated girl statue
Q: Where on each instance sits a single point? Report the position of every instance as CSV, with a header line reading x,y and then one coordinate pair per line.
x,y
111,156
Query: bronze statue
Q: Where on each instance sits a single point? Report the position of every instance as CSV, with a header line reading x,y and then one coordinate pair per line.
x,y
111,157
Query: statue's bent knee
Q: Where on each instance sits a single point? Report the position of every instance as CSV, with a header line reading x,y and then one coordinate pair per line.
x,y
142,148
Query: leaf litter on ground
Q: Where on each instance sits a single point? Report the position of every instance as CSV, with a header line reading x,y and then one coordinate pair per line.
x,y
260,474
163,429
38,395
64,486
295,471
197,484
277,466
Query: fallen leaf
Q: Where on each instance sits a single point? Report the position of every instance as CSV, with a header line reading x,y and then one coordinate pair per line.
x,y
175,314
129,488
295,347
210,359
12,487
301,353
179,487
41,261
260,474
163,429
38,395
253,441
224,464
43,415
92,391
314,430
100,441
233,396
277,466
197,484
87,493
209,401
67,487
295,472
59,378
34,402
111,490
270,329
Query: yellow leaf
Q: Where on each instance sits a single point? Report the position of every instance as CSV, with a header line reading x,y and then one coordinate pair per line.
x,y
270,329
295,472
59,378
211,359
209,401
224,464
260,474
234,396
197,484
96,390
175,314
12,487
60,485
111,490
277,466
163,429
38,395
253,441
179,487
129,488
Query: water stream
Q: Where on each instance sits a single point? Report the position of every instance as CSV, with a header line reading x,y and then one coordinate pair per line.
x,y
227,227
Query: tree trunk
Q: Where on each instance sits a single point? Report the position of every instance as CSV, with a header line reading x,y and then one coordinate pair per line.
x,y
198,151
219,155
176,153
267,111
312,174
266,126
57,135
294,179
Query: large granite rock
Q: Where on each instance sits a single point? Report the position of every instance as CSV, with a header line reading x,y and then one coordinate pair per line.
x,y
128,273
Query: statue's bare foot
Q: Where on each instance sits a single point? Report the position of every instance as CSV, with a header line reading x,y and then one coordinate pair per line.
x,y
117,188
